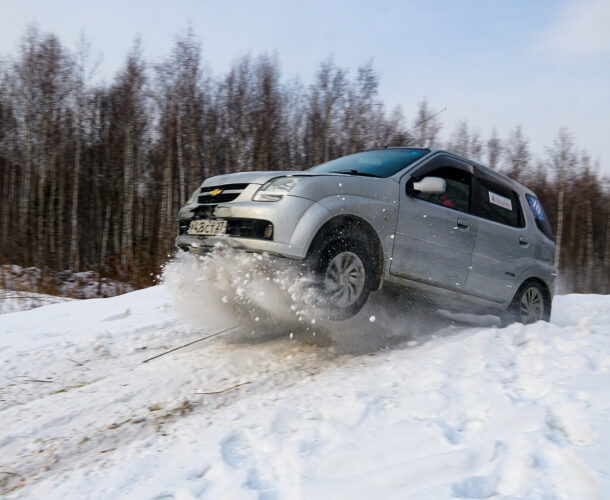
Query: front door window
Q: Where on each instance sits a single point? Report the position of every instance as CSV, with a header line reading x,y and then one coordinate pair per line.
x,y
457,192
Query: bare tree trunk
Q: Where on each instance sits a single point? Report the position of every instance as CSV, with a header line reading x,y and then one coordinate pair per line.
x,y
105,231
52,220
40,213
179,155
606,257
116,221
5,207
194,157
74,254
61,199
589,259
326,133
128,196
27,194
227,166
559,232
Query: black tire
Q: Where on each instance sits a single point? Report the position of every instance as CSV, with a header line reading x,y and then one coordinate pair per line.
x,y
342,272
530,304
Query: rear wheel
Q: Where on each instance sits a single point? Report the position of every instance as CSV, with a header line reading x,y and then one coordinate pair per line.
x,y
342,272
530,304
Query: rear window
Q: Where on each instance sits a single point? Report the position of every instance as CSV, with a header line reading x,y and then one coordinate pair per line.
x,y
539,216
498,204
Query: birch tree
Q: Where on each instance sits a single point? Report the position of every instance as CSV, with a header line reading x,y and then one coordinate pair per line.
x,y
517,154
494,150
92,174
426,126
561,158
85,69
465,142
326,99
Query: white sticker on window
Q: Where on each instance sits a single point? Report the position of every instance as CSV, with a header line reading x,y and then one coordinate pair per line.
x,y
496,199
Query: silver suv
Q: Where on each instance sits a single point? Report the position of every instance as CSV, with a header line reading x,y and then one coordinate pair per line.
x,y
424,220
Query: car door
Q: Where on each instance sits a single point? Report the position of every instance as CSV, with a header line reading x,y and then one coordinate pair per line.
x,y
503,248
435,234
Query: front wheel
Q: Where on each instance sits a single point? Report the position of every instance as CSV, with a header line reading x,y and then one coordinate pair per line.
x,y
342,271
531,304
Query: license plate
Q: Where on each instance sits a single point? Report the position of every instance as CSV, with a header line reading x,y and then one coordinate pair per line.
x,y
208,227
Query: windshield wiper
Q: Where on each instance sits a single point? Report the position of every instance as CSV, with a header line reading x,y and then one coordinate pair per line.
x,y
355,172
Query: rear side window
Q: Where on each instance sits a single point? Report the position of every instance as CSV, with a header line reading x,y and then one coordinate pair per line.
x,y
498,204
539,216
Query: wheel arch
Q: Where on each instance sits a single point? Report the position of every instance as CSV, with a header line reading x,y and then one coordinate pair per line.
x,y
545,289
346,226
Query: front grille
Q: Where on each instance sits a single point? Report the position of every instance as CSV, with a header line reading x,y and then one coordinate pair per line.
x,y
204,212
225,193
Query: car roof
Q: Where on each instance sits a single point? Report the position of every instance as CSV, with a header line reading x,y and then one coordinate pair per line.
x,y
486,171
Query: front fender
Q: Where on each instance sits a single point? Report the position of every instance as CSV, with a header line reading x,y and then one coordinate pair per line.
x,y
380,215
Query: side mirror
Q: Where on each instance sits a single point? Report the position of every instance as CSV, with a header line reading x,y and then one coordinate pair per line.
x,y
432,185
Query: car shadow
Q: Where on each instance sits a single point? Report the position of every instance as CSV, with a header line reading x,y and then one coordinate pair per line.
x,y
388,320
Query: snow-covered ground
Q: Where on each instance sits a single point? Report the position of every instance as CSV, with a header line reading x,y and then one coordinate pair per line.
x,y
12,301
19,286
445,411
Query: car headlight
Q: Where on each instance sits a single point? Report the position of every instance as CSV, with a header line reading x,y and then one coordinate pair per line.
x,y
276,188
192,197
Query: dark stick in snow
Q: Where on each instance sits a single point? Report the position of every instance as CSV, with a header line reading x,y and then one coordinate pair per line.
x,y
191,343
25,379
224,390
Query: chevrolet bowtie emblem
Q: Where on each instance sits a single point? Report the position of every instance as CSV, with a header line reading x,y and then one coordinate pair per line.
x,y
215,192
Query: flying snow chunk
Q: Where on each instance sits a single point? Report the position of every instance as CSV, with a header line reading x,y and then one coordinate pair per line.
x,y
372,319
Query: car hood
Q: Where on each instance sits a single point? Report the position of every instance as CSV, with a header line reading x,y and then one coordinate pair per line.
x,y
253,177
319,187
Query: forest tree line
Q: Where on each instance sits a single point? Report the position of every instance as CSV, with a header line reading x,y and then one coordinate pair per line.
x,y
92,174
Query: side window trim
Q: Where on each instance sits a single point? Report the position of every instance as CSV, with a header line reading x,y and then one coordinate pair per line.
x,y
435,162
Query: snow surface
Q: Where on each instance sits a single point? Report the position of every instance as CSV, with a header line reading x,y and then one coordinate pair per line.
x,y
81,285
445,411
13,301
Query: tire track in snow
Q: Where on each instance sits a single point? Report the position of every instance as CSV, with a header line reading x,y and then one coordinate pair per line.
x,y
133,418
489,401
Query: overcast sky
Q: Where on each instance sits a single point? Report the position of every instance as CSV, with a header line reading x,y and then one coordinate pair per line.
x,y
542,64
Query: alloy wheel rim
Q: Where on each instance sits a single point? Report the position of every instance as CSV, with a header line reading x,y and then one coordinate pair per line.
x,y
531,307
344,279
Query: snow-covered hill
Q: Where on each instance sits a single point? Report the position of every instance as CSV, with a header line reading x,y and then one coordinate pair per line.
x,y
12,300
450,411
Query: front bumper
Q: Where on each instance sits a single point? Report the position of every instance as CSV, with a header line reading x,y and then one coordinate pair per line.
x,y
204,244
293,220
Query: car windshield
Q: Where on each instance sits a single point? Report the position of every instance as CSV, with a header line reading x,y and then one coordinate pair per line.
x,y
378,163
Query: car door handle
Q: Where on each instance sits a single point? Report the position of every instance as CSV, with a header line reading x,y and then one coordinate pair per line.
x,y
523,242
463,224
